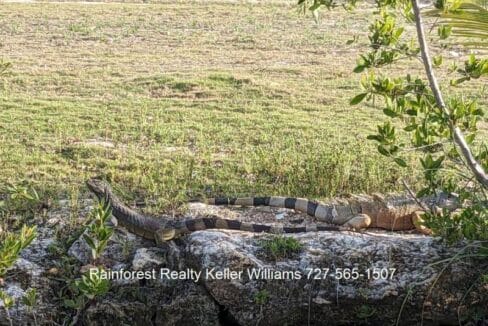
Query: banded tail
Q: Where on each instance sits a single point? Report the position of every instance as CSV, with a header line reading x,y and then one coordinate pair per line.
x,y
206,223
323,212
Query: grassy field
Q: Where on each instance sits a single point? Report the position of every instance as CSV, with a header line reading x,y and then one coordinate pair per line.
x,y
165,99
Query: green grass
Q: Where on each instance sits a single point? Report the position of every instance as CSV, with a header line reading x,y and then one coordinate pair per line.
x,y
281,247
220,99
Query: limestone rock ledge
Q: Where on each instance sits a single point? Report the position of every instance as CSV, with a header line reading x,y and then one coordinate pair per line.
x,y
435,296
292,291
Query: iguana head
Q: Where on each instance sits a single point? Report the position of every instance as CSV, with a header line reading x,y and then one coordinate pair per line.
x,y
99,187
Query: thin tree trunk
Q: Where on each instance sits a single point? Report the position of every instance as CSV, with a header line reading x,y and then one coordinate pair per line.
x,y
458,136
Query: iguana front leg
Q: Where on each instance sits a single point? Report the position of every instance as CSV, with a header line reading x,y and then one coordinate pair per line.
x,y
358,222
418,221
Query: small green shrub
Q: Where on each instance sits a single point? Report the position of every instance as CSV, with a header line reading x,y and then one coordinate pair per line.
x,y
365,312
21,198
98,231
262,297
470,223
85,290
92,284
280,247
30,299
8,303
11,246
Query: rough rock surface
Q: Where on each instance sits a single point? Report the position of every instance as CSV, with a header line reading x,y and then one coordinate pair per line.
x,y
329,299
432,293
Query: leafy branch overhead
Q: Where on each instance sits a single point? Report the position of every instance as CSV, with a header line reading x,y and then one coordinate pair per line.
x,y
445,132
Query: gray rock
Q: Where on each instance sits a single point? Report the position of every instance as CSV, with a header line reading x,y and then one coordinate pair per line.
x,y
28,272
148,258
290,291
181,303
299,297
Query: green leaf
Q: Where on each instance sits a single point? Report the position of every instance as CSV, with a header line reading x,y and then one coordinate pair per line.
x,y
358,98
400,162
478,112
383,150
314,7
437,60
459,81
437,163
470,138
351,41
69,303
411,127
394,149
423,192
444,31
375,137
359,68
390,113
411,112
89,241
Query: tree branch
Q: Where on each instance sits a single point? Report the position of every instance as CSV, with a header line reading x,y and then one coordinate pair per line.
x,y
458,136
412,194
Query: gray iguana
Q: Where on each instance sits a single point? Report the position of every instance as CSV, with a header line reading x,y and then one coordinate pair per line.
x,y
395,213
